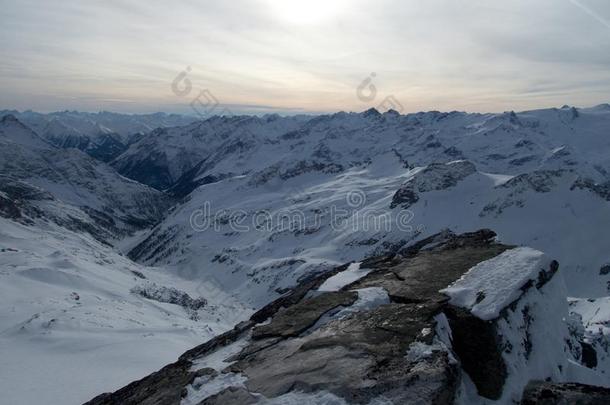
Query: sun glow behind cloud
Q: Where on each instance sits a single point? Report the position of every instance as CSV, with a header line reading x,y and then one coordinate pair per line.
x,y
289,55
306,11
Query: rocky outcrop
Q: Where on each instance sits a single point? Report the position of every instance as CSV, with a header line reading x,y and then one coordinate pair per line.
x,y
389,335
71,188
546,393
539,181
434,177
516,190
171,295
601,190
295,319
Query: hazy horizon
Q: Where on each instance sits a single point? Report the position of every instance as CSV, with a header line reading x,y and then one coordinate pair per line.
x,y
287,114
292,57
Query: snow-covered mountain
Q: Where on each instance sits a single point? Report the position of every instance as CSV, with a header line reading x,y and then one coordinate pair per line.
x,y
450,320
78,318
42,182
103,135
163,156
69,298
249,207
505,143
533,177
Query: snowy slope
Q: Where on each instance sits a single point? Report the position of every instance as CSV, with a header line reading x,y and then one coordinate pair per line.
x,y
310,222
268,201
107,204
68,299
506,143
261,216
381,332
70,327
103,135
163,156
11,129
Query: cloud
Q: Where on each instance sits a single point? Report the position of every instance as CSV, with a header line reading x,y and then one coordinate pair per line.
x,y
438,54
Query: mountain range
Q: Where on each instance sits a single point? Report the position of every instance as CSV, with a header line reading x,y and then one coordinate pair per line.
x,y
126,235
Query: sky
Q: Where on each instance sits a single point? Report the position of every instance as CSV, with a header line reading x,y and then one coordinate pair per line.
x,y
312,56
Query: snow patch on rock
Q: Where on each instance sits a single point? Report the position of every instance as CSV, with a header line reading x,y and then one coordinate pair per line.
x,y
346,277
208,385
492,285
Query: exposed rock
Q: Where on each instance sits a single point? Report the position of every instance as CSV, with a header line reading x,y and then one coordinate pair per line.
x,y
589,355
404,196
170,295
546,393
359,356
138,274
296,318
411,349
293,170
601,190
231,395
8,208
453,152
479,350
151,170
523,160
436,176
540,181
165,386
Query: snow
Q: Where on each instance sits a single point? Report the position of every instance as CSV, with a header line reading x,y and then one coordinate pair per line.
x,y
498,179
99,342
537,320
419,350
536,336
595,313
316,398
492,285
92,124
267,164
346,277
218,359
206,386
368,299
256,262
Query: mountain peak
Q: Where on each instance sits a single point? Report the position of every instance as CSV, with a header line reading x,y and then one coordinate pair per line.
x,y
371,112
391,113
9,118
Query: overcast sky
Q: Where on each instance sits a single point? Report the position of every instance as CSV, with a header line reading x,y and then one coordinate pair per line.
x,y
294,56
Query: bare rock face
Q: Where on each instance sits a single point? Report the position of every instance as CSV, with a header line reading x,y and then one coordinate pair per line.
x,y
545,393
388,336
170,295
436,176
601,190
295,319
70,188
